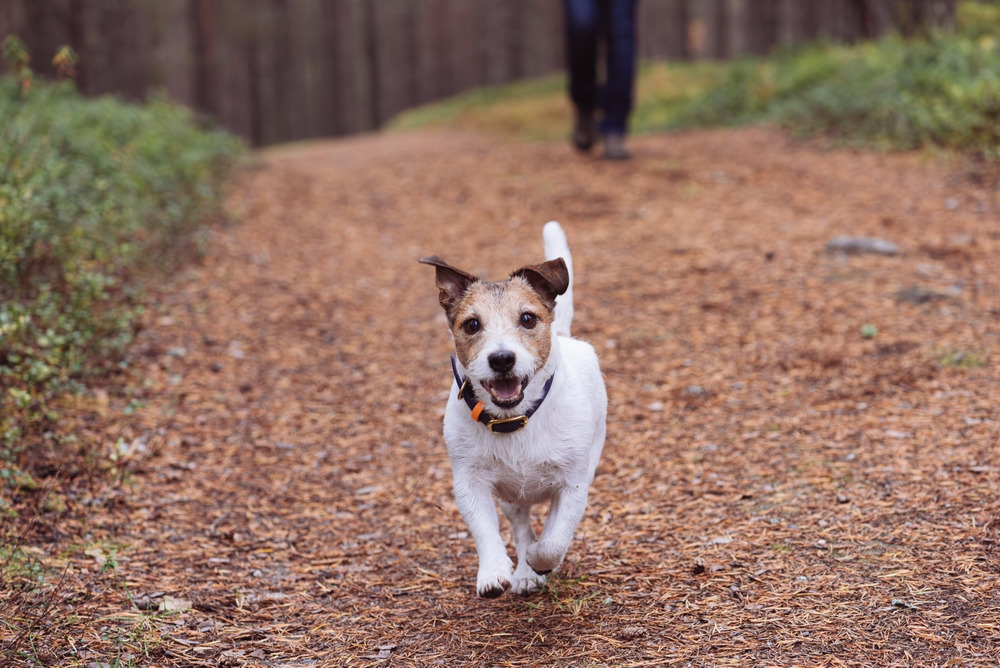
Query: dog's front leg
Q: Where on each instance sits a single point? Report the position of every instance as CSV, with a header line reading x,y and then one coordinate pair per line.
x,y
475,502
560,526
526,580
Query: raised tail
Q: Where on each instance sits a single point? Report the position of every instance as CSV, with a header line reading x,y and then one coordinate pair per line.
x,y
556,246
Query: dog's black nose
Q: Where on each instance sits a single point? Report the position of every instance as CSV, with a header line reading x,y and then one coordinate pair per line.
x,y
502,361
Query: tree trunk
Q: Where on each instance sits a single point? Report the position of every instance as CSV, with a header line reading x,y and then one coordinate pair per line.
x,y
203,31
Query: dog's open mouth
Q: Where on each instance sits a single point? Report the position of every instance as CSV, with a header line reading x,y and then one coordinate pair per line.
x,y
507,391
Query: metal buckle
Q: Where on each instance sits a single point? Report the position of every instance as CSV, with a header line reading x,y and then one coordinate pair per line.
x,y
461,390
523,419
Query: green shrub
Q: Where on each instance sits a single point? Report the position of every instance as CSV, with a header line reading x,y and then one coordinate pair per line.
x,y
978,19
940,90
94,194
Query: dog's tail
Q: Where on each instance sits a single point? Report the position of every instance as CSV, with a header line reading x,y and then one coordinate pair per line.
x,y
556,246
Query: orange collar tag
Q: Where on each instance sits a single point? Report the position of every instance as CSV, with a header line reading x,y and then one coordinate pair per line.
x,y
477,411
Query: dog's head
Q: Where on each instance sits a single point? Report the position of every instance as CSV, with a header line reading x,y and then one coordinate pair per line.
x,y
502,330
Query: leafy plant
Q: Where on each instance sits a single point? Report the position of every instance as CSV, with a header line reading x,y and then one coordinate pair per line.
x,y
96,196
941,90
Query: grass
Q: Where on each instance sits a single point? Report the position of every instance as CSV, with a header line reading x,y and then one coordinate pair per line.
x,y
132,635
963,359
939,90
537,109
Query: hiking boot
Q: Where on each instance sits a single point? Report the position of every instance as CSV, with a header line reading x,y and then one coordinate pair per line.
x,y
614,147
584,129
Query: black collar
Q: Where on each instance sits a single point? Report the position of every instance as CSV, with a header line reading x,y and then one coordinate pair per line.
x,y
479,414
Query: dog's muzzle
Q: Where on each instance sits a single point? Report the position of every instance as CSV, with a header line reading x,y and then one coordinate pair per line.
x,y
480,414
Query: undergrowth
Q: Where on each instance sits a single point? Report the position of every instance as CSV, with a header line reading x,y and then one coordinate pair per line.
x,y
130,629
96,197
940,89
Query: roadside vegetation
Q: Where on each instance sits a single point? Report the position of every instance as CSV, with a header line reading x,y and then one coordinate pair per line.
x,y
97,197
939,90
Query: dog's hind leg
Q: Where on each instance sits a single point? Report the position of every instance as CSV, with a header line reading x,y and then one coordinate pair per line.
x,y
526,580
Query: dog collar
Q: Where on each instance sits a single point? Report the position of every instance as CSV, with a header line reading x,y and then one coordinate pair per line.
x,y
479,414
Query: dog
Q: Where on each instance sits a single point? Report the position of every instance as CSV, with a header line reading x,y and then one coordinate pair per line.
x,y
527,420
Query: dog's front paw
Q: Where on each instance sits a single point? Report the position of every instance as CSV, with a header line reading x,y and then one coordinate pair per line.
x,y
544,558
526,580
492,583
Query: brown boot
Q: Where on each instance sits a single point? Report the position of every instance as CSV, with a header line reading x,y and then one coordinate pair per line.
x,y
614,147
584,129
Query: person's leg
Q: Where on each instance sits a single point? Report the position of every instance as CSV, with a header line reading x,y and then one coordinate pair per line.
x,y
581,62
619,89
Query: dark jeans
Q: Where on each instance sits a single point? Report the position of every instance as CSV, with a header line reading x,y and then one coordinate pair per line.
x,y
586,22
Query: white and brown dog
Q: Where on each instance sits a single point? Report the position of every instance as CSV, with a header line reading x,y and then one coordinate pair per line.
x,y
526,422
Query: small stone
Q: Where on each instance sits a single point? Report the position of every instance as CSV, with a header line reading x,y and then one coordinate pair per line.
x,y
170,604
148,601
852,245
916,294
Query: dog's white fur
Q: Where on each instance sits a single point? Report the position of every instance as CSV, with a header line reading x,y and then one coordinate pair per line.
x,y
552,459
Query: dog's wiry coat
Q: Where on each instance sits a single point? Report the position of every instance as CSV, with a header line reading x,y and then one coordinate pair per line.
x,y
510,338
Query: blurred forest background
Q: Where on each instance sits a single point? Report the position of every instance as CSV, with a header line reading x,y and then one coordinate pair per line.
x,y
282,70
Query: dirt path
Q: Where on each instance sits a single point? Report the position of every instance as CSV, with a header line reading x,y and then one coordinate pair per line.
x,y
776,488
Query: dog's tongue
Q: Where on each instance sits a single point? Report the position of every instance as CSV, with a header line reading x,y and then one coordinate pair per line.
x,y
506,388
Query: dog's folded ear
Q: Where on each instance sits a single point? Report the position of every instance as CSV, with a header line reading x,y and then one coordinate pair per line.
x,y
549,279
450,281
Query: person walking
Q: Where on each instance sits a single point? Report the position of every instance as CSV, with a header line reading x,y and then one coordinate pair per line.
x,y
587,22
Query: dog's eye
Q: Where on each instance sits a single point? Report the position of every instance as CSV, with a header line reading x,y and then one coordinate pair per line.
x,y
528,320
471,326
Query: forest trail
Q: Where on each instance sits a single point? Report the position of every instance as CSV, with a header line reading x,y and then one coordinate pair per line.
x,y
801,467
